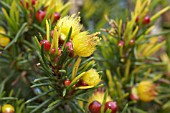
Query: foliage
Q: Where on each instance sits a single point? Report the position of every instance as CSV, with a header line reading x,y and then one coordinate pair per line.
x,y
129,54
49,63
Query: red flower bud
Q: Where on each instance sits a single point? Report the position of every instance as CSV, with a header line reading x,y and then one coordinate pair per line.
x,y
137,19
59,51
132,42
40,15
67,83
95,107
111,105
46,43
33,2
52,51
134,97
121,43
56,16
82,83
70,48
146,20
27,4
22,3
52,33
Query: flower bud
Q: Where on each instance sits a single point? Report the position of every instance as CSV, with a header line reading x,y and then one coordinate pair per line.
x,y
67,83
91,77
146,20
132,42
146,91
98,96
111,105
40,15
134,94
82,83
95,107
137,19
4,41
121,43
52,52
33,2
70,48
7,108
46,43
56,16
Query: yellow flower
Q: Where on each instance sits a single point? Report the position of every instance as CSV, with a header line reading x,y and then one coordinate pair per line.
x,y
84,44
91,77
66,23
58,3
3,39
98,96
146,91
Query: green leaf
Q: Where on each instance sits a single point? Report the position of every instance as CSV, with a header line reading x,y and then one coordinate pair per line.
x,y
108,111
53,103
39,28
38,96
43,104
104,101
43,55
166,105
19,33
36,42
4,4
125,108
6,35
42,78
75,67
9,98
42,84
138,110
154,35
78,107
47,30
64,92
27,43
75,80
52,107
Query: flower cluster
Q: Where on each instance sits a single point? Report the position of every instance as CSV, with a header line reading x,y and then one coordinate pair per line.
x,y
61,52
67,41
79,43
